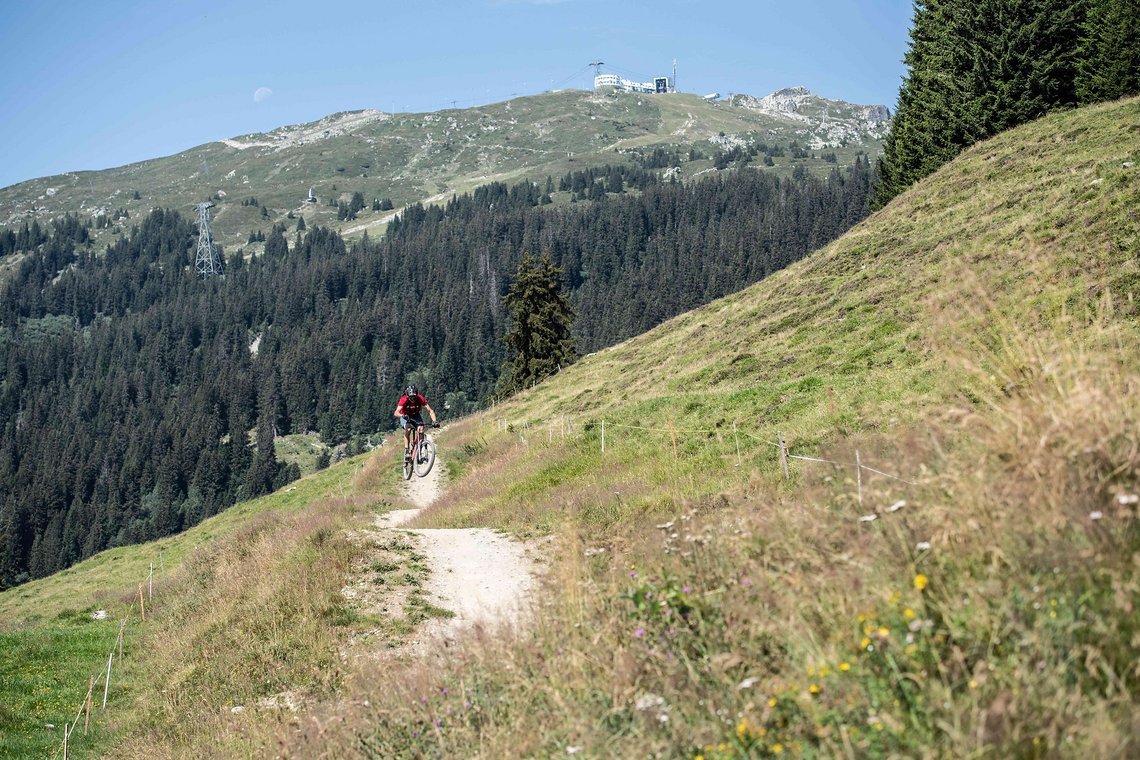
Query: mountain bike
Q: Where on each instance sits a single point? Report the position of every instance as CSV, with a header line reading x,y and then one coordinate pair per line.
x,y
422,455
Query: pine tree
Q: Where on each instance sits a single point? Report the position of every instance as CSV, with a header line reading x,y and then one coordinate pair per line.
x,y
976,68
539,341
1109,53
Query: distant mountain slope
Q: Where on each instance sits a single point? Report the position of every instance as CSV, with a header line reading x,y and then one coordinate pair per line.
x,y
428,156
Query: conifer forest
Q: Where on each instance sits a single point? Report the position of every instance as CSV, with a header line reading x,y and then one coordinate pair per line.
x,y
137,399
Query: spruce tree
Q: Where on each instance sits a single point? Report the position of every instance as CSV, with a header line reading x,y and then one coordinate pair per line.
x,y
1109,52
539,341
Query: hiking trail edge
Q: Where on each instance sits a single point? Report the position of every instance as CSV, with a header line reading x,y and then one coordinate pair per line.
x,y
482,576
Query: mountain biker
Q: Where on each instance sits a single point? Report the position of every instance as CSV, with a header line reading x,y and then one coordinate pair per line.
x,y
408,412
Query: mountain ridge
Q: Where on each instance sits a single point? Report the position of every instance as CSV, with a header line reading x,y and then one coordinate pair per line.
x,y
423,157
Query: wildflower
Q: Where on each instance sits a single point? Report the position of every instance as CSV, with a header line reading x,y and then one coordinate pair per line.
x,y
1096,515
908,613
920,581
844,667
814,688
777,748
772,702
923,546
632,573
572,749
746,581
865,643
883,632
862,618
639,633
747,683
973,684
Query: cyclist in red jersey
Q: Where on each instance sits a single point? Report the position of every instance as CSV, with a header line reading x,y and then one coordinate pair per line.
x,y
408,412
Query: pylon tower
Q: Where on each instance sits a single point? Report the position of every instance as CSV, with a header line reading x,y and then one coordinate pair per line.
x,y
207,263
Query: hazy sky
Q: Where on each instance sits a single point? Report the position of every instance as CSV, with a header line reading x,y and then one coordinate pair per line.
x,y
91,85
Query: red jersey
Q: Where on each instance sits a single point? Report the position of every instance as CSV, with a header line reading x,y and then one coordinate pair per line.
x,y
413,405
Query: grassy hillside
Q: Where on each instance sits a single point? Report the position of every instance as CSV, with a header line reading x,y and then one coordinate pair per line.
x,y
977,338
423,157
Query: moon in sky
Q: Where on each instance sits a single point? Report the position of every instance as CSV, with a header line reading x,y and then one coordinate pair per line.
x,y
261,93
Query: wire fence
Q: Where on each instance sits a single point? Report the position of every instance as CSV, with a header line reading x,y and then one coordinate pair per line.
x,y
566,426
103,677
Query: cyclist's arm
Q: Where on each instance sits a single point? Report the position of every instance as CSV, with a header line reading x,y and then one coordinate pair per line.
x,y
430,411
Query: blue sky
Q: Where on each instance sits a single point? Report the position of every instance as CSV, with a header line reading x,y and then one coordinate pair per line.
x,y
91,85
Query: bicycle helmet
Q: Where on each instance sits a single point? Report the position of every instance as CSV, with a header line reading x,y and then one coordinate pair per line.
x,y
410,391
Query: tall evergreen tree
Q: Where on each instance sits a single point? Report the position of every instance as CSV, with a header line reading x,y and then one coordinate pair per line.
x,y
1109,53
976,68
539,340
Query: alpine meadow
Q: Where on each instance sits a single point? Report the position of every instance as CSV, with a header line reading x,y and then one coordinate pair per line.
x,y
773,427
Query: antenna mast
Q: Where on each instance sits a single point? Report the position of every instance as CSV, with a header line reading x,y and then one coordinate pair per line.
x,y
206,263
675,75
597,71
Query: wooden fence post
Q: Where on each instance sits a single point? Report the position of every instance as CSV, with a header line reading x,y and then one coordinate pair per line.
x,y
859,476
142,604
122,624
737,437
783,455
150,581
87,718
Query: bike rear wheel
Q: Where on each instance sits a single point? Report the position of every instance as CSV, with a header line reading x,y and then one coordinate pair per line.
x,y
407,467
424,458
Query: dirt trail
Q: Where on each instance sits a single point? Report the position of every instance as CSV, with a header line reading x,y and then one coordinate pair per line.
x,y
481,576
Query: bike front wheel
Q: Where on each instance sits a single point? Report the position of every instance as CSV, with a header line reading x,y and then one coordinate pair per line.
x,y
425,458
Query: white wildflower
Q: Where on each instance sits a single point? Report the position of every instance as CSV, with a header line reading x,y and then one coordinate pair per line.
x,y
1096,514
572,749
649,702
1128,498
748,683
923,546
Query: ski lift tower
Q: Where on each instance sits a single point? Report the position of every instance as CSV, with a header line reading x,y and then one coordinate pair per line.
x,y
206,263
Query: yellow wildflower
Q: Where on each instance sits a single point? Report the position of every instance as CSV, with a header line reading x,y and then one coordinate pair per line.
x,y
920,581
844,667
772,702
777,748
973,684
908,613
877,726
866,642
884,632
823,672
862,618
814,688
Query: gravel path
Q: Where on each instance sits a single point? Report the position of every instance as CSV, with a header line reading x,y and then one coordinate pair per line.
x,y
483,577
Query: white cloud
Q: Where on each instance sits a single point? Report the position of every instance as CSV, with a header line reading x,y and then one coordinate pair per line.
x,y
261,93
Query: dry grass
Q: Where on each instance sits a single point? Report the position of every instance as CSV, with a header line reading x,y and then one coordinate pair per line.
x,y
991,615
